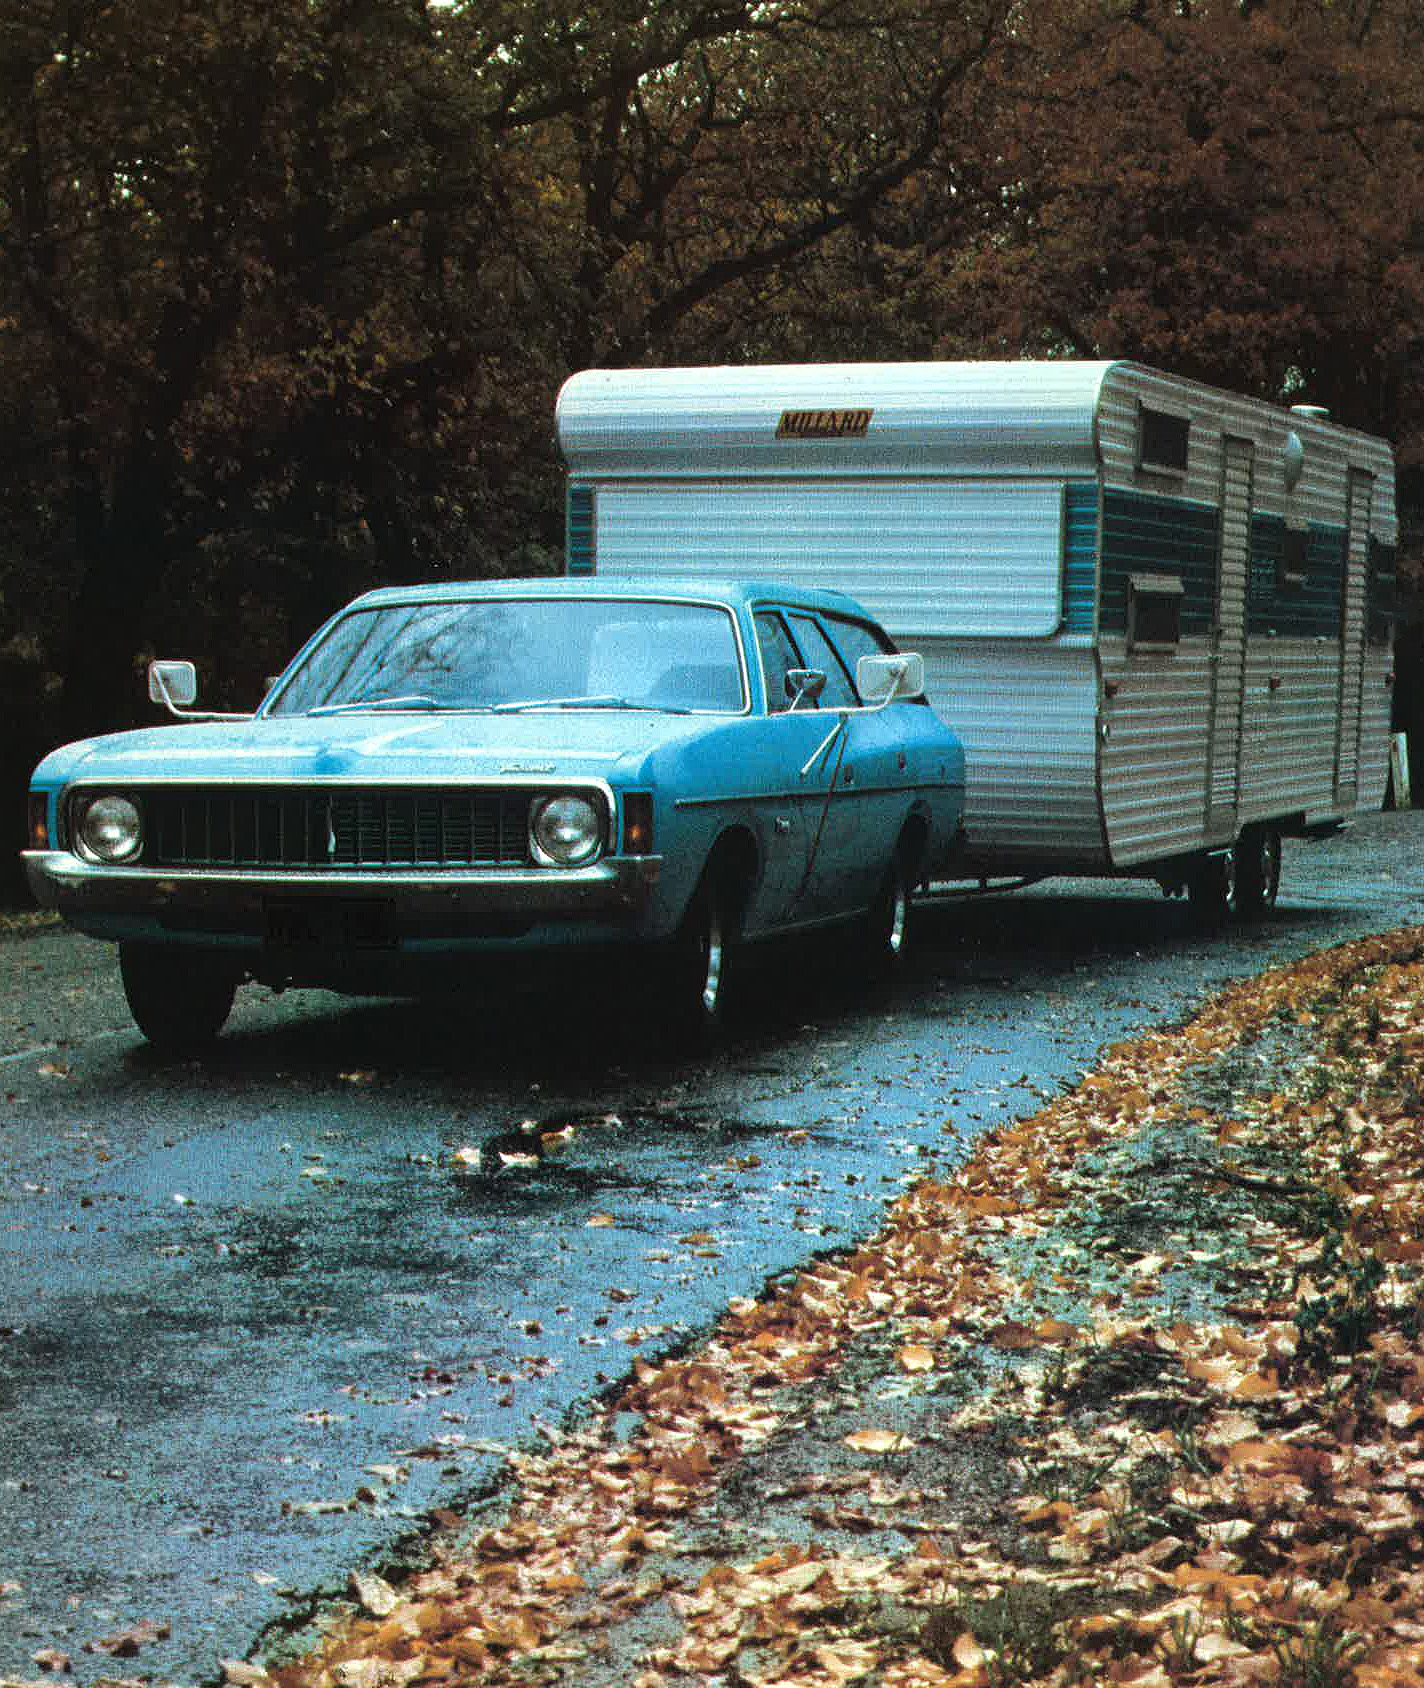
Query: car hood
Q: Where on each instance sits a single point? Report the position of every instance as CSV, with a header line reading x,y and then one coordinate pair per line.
x,y
381,746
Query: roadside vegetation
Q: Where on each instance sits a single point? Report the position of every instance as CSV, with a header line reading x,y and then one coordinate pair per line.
x,y
1136,1396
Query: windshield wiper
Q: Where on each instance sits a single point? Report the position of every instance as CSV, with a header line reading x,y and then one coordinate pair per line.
x,y
414,701
586,703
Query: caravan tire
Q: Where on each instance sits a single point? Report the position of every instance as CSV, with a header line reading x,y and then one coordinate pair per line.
x,y
1257,872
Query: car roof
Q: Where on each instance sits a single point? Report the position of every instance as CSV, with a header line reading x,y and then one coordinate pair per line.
x,y
692,588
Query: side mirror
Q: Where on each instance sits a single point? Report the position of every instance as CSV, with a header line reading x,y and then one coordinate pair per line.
x,y
883,679
173,684
804,685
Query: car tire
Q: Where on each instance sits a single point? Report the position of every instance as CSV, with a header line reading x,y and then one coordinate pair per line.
x,y
887,925
704,961
1257,879
179,1003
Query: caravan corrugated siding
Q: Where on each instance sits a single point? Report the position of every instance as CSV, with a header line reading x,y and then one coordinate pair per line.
x,y
1260,712
963,507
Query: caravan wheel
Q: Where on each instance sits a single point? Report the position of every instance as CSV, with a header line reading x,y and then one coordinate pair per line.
x,y
1257,871
1211,888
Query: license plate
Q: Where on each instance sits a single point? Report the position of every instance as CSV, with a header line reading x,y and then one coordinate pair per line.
x,y
330,925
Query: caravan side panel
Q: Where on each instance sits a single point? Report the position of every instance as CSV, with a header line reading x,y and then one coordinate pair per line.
x,y
1025,714
1271,703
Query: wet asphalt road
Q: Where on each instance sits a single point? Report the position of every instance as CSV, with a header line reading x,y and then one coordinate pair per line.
x,y
260,1314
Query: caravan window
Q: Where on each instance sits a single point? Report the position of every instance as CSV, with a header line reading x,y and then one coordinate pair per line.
x,y
1162,440
1291,571
1380,604
1154,612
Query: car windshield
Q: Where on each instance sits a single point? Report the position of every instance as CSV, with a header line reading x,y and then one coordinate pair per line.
x,y
521,653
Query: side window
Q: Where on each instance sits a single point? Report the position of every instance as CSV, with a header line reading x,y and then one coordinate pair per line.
x,y
821,653
1162,441
855,640
1380,587
778,656
1292,572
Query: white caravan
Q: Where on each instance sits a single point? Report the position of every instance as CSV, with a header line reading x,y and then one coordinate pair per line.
x,y
1158,615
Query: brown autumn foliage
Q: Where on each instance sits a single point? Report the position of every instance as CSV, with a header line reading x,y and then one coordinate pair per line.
x,y
287,290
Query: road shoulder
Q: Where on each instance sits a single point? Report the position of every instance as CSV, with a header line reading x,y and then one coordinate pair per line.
x,y
1135,1396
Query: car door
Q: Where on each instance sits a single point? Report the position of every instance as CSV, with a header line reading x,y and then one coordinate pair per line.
x,y
873,775
817,804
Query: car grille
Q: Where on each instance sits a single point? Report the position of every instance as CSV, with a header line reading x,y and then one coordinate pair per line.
x,y
309,828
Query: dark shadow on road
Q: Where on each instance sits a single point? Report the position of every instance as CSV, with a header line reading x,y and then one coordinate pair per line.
x,y
574,1023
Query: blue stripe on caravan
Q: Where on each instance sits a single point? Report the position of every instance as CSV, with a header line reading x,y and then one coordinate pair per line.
x,y
1306,608
1080,555
1147,535
578,532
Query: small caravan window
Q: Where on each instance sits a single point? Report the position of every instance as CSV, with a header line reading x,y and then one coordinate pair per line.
x,y
1380,600
1154,612
1162,440
1292,571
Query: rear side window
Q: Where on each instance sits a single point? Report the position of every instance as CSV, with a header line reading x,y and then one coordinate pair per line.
x,y
855,640
820,653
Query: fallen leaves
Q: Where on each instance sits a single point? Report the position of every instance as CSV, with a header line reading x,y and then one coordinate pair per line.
x,y
1224,1492
878,1442
127,1643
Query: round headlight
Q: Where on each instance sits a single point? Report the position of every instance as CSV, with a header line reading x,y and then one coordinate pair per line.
x,y
565,831
110,829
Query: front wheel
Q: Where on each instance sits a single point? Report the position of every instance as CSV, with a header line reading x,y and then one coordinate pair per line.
x,y
179,1003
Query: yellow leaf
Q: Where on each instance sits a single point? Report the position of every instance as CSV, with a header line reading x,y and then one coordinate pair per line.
x,y
1257,1386
844,1661
878,1441
967,1653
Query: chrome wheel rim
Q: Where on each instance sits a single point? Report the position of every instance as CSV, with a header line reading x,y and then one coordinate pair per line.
x,y
713,957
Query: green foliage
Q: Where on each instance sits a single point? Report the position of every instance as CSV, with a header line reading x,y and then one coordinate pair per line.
x,y
1017,1628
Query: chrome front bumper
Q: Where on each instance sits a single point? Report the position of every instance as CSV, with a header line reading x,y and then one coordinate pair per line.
x,y
235,902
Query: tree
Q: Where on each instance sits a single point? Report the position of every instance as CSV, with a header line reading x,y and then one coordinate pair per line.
x,y
1230,191
287,286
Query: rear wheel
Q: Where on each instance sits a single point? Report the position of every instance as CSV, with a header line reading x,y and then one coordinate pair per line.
x,y
1257,871
887,925
180,1003
704,959
1240,883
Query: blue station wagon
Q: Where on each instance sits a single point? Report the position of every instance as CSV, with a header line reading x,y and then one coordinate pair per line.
x,y
456,770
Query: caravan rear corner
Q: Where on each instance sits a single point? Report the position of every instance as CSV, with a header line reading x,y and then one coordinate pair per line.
x,y
1158,615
